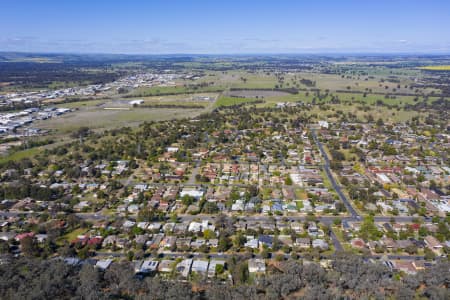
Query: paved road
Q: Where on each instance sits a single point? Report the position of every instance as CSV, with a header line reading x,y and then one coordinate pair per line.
x,y
8,214
397,219
332,180
336,243
174,255
195,171
327,220
400,257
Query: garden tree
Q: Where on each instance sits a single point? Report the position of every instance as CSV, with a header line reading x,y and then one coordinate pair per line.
x,y
411,249
29,246
276,244
234,195
174,217
67,251
48,248
240,273
265,253
72,221
368,230
239,240
209,234
443,233
219,269
83,253
204,248
224,243
187,200
150,214
429,255
337,221
130,255
340,207
433,184
337,155
279,257
225,224
288,180
23,188
373,145
210,208
140,197
344,181
253,190
336,165
388,149
4,247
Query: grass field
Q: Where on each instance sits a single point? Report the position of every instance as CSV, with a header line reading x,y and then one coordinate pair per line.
x,y
256,93
217,85
378,81
99,118
169,90
79,104
385,113
92,113
229,101
20,155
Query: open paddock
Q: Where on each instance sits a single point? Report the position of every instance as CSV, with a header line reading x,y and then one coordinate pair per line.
x,y
255,93
98,118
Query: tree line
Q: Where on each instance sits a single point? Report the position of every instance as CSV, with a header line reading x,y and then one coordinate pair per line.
x,y
348,277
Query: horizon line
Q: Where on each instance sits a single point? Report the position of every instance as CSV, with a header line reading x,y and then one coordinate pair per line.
x,y
428,53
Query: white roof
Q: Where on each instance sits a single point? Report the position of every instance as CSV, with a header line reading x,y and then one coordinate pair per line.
x,y
103,264
200,266
193,193
149,265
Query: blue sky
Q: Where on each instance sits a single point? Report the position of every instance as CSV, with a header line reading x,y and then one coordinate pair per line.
x,y
220,27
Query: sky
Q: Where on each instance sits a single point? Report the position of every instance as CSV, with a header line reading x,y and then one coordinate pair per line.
x,y
225,27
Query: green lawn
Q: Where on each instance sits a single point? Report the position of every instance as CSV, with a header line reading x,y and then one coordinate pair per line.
x,y
99,118
301,194
20,154
179,89
228,101
71,236
79,104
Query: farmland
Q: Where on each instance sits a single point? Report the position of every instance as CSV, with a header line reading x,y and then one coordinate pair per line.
x,y
436,68
362,88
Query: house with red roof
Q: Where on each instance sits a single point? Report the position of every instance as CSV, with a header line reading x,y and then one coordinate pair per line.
x,y
21,236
